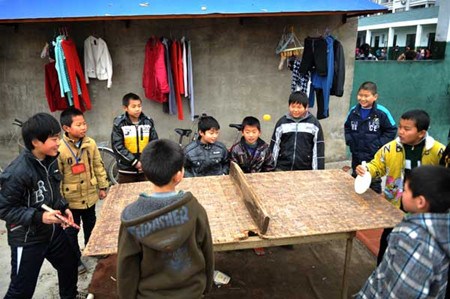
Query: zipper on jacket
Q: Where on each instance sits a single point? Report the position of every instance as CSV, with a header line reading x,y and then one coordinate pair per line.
x,y
295,145
51,190
137,139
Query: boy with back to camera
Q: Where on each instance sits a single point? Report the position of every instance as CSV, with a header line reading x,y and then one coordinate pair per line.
x,y
368,127
31,180
131,132
206,156
252,153
165,246
413,147
84,177
297,140
416,261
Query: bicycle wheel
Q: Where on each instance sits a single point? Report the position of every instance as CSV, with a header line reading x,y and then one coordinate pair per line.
x,y
113,173
109,161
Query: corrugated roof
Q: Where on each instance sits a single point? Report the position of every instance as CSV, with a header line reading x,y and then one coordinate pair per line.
x,y
46,10
410,15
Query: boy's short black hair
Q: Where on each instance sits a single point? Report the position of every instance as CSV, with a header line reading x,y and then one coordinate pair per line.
x,y
298,97
66,117
129,96
161,160
40,126
432,182
369,86
420,118
206,123
251,121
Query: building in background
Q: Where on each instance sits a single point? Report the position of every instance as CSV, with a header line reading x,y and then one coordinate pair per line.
x,y
407,23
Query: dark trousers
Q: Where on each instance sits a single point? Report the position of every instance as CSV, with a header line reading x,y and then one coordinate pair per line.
x,y
88,218
131,178
383,244
26,262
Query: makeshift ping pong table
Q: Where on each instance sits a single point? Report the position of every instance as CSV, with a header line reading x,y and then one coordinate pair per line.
x,y
280,208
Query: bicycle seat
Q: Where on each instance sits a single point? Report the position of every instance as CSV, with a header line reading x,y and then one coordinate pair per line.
x,y
183,132
236,126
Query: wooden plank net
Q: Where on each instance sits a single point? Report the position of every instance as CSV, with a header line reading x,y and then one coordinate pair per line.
x,y
299,203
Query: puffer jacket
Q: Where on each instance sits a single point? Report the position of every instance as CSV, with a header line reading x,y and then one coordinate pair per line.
x,y
81,190
165,248
26,184
298,144
129,140
260,161
365,137
390,161
206,159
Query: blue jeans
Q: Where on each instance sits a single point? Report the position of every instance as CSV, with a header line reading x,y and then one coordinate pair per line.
x,y
26,262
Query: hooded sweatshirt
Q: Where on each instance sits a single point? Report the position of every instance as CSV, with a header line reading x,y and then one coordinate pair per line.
x,y
165,248
416,261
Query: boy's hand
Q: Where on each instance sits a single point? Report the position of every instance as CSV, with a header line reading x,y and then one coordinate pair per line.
x,y
101,194
50,217
360,170
69,215
138,166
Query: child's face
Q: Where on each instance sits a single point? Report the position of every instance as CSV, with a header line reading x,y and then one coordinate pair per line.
x,y
134,109
251,134
413,204
297,110
47,148
407,132
209,136
366,98
78,128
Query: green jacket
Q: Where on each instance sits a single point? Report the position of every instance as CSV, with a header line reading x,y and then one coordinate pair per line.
x,y
81,190
390,161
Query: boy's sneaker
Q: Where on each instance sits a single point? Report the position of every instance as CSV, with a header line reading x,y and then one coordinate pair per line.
x,y
81,295
81,268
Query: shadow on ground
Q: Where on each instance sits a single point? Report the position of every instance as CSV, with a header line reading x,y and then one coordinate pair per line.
x,y
307,271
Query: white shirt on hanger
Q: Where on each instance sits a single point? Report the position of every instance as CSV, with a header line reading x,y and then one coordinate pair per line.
x,y
97,60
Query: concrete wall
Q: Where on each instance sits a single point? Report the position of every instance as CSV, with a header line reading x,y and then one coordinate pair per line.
x,y
410,85
235,71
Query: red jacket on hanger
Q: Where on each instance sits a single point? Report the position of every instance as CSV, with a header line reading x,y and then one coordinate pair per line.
x,y
75,71
154,78
52,90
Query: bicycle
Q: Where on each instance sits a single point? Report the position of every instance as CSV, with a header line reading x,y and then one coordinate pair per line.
x,y
109,161
187,132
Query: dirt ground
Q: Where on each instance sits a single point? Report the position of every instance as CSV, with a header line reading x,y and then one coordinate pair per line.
x,y
307,271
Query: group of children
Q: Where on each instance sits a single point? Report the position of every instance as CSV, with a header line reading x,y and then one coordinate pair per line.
x,y
165,244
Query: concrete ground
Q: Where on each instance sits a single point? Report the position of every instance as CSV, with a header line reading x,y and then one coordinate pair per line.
x,y
307,271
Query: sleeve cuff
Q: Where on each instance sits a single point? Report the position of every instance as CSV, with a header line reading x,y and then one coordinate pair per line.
x,y
37,217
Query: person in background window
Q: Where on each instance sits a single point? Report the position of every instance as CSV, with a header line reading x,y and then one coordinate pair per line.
x,y
365,53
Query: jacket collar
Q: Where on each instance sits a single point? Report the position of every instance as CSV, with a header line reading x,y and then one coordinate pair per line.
x,y
429,142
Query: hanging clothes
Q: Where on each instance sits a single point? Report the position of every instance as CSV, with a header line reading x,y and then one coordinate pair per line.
x,y
185,70
337,89
190,78
97,60
175,58
299,81
321,85
172,100
315,56
52,91
76,76
154,79
61,68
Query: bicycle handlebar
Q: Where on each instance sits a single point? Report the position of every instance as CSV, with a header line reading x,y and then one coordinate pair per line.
x,y
236,126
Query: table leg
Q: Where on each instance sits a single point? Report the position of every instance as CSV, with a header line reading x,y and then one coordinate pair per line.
x,y
348,256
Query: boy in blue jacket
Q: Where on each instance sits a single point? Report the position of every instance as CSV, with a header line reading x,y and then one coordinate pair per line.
x,y
368,127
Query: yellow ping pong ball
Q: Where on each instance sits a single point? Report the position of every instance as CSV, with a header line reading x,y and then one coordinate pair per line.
x,y
267,117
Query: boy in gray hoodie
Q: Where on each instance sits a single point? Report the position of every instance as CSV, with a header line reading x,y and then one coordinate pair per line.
x,y
165,245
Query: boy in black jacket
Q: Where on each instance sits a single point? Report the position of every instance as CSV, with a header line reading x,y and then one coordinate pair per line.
x,y
206,156
297,140
31,180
